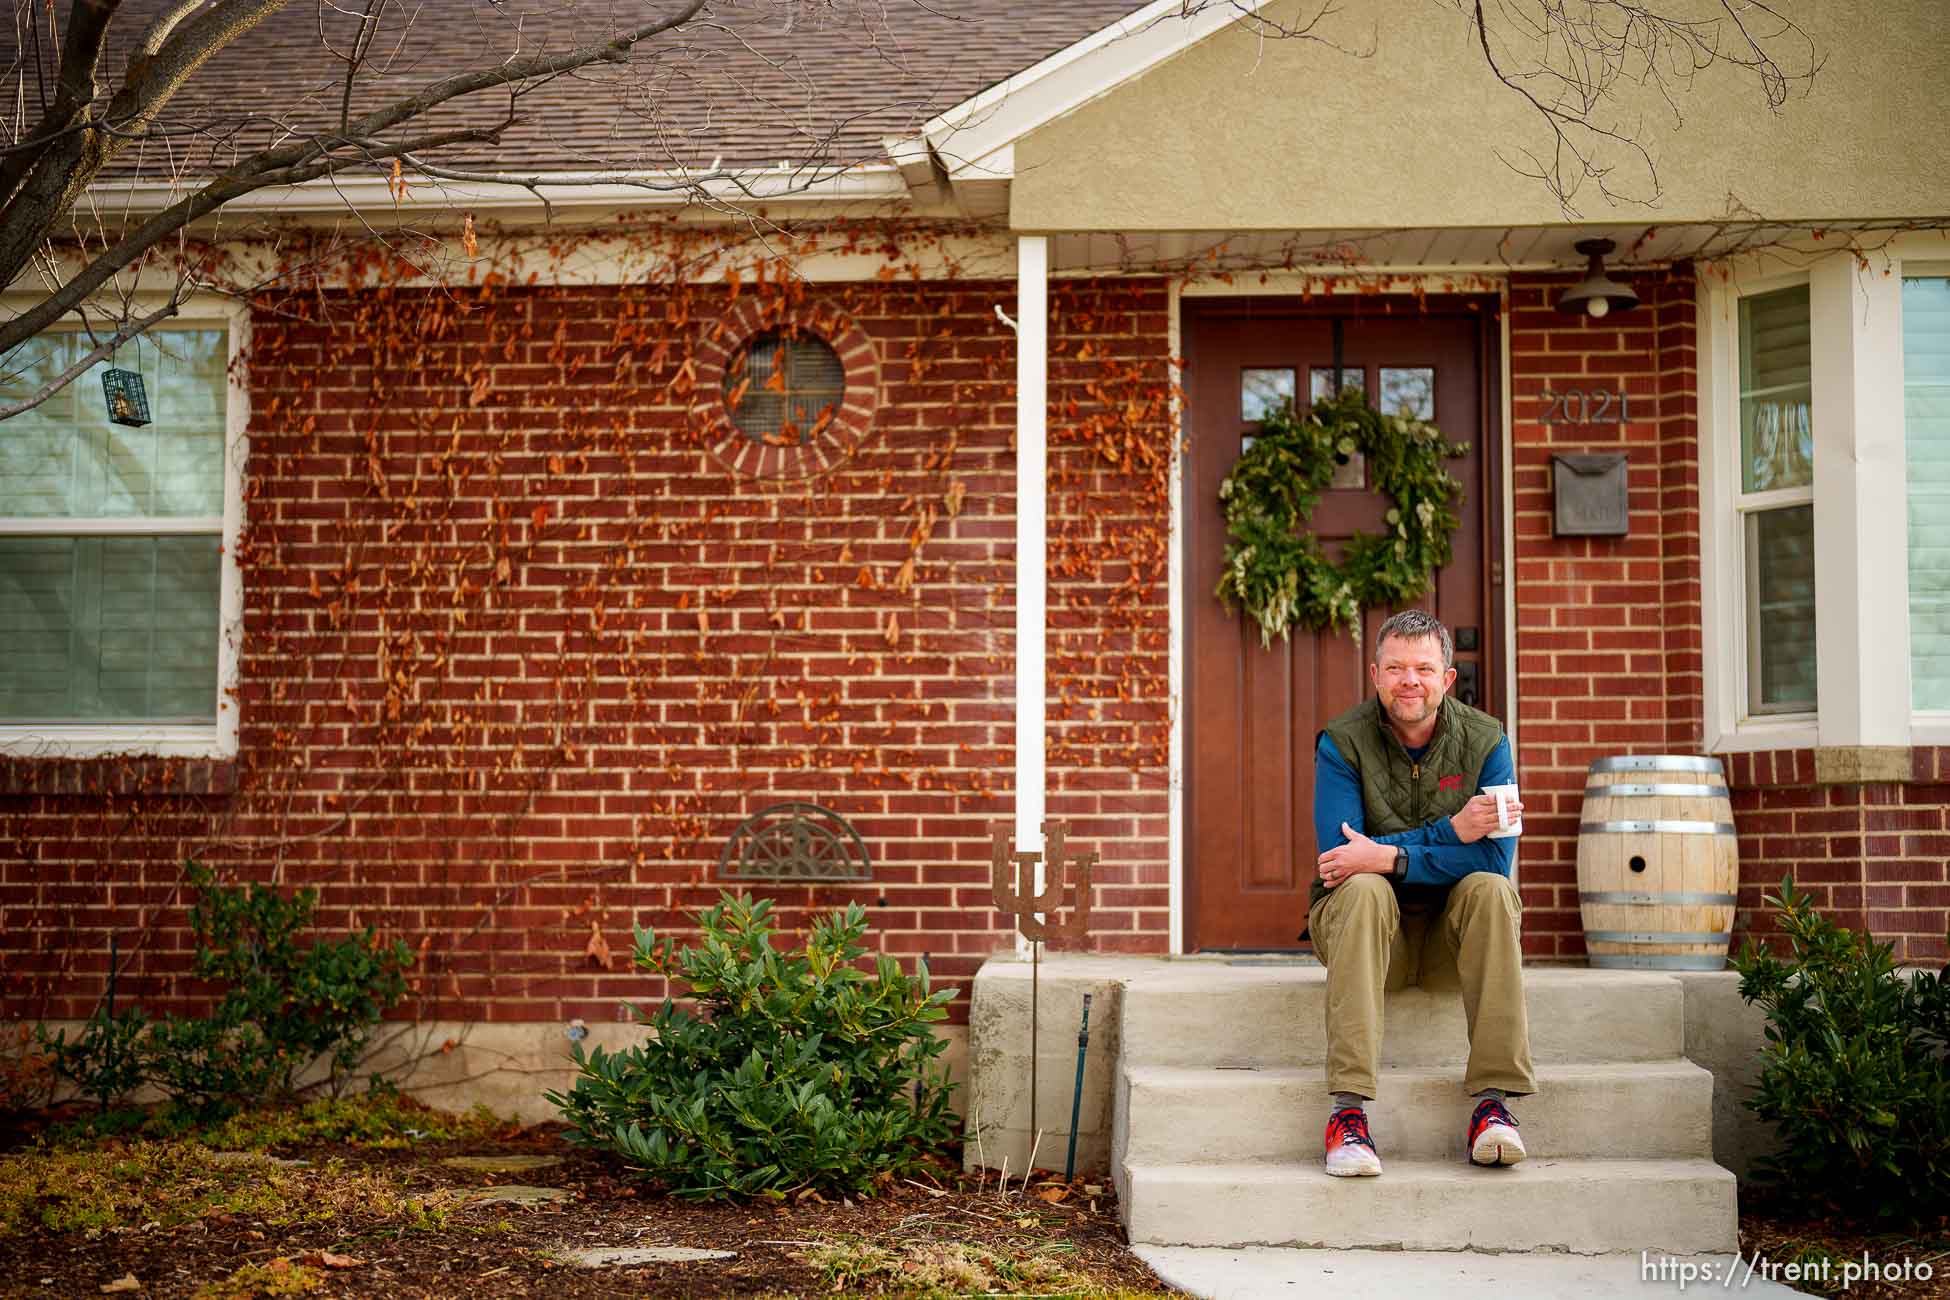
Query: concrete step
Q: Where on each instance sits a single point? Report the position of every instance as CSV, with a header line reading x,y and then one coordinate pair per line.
x,y
1253,1273
1580,1206
1652,1110
1208,1014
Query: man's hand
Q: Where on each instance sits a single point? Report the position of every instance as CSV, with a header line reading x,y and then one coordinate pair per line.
x,y
1478,817
1360,854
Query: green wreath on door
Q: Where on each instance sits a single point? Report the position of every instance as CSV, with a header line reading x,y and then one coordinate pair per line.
x,y
1275,568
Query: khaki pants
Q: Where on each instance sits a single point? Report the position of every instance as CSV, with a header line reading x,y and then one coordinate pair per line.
x,y
1371,946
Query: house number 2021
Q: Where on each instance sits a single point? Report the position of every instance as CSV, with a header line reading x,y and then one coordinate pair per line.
x,y
1587,406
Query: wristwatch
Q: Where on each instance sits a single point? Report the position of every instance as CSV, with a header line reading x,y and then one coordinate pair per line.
x,y
1401,864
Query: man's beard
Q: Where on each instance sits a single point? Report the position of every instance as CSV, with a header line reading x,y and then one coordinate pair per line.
x,y
1427,706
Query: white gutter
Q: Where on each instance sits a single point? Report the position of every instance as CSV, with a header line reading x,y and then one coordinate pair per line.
x,y
570,190
1032,462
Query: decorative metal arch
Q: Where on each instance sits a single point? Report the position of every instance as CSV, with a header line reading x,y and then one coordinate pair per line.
x,y
795,841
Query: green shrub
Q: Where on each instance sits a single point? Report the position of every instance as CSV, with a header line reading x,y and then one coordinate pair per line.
x,y
1855,1076
283,1006
104,1062
805,1071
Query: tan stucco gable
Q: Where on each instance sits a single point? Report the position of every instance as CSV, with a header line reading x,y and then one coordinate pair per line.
x,y
1240,133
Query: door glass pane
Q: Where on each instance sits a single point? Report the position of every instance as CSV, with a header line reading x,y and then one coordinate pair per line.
x,y
110,629
1321,378
1264,391
1408,391
1926,416
1781,610
1777,447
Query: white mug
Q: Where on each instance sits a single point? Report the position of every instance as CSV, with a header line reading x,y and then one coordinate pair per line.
x,y
1505,796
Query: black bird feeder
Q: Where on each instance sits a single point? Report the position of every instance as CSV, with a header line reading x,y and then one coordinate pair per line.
x,y
127,403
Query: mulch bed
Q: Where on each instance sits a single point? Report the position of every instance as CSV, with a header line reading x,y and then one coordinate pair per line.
x,y
501,1250
1782,1232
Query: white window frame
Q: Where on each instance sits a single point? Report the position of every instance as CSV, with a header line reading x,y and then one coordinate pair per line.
x,y
217,740
1860,504
1728,660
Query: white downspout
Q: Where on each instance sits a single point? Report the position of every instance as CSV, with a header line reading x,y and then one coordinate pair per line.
x,y
1032,465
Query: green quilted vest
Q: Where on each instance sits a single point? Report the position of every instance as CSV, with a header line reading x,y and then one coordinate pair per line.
x,y
1399,795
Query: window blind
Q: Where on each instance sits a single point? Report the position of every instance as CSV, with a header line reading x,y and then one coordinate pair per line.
x,y
110,537
1926,421
1777,456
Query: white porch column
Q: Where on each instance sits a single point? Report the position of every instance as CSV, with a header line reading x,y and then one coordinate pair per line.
x,y
1861,526
1032,462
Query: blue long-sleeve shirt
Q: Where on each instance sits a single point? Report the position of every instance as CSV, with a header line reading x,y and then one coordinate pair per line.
x,y
1435,855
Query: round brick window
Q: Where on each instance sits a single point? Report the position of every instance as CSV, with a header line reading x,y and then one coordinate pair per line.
x,y
788,394
784,390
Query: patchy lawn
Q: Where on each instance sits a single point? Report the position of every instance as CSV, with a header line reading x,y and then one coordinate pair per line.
x,y
373,1210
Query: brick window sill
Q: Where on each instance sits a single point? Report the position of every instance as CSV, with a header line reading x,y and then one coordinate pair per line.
x,y
117,775
1840,765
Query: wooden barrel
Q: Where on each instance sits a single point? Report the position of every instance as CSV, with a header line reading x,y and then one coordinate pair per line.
x,y
1657,865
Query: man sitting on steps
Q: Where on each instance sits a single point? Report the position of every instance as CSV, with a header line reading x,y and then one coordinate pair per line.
x,y
1412,889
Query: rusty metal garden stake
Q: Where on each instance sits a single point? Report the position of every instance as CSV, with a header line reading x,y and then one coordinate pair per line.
x,y
1035,910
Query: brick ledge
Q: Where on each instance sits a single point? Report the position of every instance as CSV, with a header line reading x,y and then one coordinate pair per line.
x,y
117,775
1839,765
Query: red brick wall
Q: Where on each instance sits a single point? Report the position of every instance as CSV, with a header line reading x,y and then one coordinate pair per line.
x,y
1610,660
1875,856
1608,628
521,652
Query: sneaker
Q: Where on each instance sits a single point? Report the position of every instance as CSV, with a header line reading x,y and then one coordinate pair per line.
x,y
1493,1136
1350,1151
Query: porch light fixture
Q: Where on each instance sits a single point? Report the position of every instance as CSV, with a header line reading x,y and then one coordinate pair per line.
x,y
1598,294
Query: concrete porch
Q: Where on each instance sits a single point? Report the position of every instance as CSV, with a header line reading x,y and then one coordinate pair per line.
x,y
1203,1099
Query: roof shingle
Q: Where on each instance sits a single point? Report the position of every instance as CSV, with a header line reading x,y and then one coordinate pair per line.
x,y
740,84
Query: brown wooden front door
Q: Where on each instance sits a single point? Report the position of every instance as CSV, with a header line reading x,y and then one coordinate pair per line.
x,y
1252,713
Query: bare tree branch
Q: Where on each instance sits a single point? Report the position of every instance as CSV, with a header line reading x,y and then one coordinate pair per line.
x,y
101,352
58,177
1582,51
166,22
74,91
360,43
307,164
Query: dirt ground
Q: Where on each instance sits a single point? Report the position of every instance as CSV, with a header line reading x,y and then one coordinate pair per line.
x,y
941,1234
166,1219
